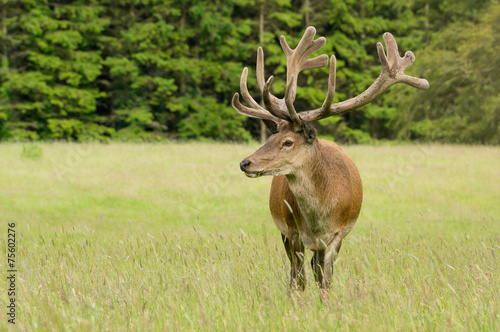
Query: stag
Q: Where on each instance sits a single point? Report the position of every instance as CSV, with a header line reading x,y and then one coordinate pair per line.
x,y
316,192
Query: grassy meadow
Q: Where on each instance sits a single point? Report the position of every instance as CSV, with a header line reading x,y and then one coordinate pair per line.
x,y
174,237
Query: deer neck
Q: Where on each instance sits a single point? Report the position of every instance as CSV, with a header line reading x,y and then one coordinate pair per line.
x,y
308,184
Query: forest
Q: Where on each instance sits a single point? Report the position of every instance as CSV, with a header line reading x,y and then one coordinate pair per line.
x,y
153,70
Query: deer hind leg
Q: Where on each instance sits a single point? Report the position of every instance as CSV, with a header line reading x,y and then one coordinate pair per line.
x,y
295,251
322,263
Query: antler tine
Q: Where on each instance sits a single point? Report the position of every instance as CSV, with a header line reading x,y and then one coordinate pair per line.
x,y
393,67
325,108
306,47
331,83
298,59
278,108
252,112
260,74
256,111
244,89
289,101
274,104
260,68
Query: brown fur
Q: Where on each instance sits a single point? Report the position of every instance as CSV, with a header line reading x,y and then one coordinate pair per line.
x,y
323,188
313,178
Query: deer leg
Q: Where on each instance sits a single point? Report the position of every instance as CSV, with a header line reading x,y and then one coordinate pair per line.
x,y
314,262
321,268
322,263
295,251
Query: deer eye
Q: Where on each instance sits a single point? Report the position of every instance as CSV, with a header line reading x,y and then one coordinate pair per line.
x,y
287,143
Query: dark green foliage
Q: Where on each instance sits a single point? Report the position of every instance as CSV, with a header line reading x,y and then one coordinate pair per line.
x,y
464,104
89,70
49,90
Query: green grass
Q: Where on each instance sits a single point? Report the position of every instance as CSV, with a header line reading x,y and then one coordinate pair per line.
x,y
174,237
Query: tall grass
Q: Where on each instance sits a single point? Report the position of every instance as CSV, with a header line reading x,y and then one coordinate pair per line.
x,y
174,237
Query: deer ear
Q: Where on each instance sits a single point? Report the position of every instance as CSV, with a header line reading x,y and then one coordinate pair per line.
x,y
271,125
309,132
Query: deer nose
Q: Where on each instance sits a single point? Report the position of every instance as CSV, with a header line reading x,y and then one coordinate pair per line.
x,y
244,165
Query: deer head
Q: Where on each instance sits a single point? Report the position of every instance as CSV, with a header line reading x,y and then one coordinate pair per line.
x,y
294,138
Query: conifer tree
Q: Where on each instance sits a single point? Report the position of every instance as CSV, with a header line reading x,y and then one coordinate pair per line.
x,y
50,89
147,69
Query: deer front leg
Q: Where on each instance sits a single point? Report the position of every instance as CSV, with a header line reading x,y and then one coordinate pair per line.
x,y
295,251
322,263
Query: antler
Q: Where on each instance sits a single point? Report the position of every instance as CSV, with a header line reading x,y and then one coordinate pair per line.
x,y
297,60
256,111
393,67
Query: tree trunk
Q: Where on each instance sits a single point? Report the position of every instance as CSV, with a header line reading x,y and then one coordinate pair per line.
x,y
263,133
5,56
306,12
182,78
427,21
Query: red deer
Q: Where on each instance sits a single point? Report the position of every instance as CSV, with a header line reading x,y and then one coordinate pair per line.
x,y
316,192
